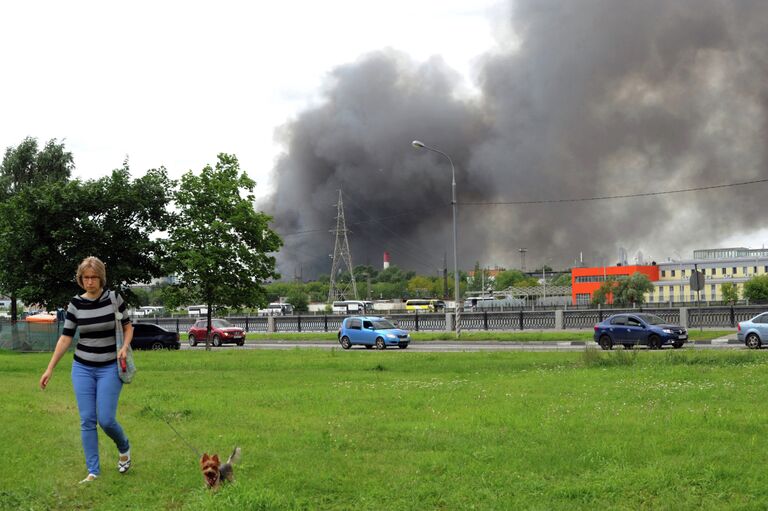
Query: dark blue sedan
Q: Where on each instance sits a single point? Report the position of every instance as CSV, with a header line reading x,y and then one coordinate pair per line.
x,y
632,330
371,331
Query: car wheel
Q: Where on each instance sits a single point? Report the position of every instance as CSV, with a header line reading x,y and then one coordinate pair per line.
x,y
654,342
380,343
346,343
605,342
753,341
216,341
192,340
157,345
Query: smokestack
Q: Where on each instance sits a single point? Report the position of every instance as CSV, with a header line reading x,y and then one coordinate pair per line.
x,y
386,260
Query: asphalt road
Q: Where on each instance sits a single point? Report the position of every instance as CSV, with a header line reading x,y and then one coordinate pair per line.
x,y
454,346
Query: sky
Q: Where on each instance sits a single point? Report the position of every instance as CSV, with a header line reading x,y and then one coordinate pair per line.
x,y
174,83
534,99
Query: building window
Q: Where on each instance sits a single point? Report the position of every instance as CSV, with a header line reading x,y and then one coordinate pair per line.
x,y
661,293
663,273
682,273
671,273
713,291
744,269
583,298
722,270
734,271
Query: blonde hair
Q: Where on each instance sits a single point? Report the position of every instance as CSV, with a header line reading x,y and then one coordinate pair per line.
x,y
95,264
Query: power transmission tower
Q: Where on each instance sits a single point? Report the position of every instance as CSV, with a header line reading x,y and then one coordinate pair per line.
x,y
341,256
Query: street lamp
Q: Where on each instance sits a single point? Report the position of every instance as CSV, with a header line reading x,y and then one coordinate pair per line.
x,y
421,145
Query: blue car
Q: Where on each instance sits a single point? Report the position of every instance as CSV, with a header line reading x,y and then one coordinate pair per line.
x,y
753,332
371,331
632,330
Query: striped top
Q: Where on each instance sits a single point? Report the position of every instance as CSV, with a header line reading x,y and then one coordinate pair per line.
x,y
96,321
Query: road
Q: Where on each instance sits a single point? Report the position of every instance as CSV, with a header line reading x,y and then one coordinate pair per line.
x,y
458,346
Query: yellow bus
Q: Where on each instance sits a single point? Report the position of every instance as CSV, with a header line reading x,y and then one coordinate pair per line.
x,y
424,305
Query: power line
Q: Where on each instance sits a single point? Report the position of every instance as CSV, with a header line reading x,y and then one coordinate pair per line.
x,y
609,197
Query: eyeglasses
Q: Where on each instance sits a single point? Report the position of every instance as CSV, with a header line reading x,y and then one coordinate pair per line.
x,y
90,277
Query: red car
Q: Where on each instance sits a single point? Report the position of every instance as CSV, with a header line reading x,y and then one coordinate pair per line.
x,y
221,331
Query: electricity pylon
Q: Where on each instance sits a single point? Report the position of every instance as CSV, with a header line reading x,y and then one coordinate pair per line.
x,y
341,256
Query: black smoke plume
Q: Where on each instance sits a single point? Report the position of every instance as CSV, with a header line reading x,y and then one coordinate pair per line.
x,y
595,98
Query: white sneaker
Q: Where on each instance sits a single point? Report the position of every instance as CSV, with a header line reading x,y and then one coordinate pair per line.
x,y
124,462
91,477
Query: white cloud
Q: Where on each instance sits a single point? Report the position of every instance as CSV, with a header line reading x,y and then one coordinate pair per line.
x,y
174,83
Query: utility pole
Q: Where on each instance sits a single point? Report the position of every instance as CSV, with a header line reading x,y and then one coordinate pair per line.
x,y
522,258
445,276
341,255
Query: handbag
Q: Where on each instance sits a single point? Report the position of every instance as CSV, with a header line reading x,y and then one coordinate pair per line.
x,y
125,369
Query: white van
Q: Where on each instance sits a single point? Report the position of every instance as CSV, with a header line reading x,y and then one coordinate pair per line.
x,y
352,307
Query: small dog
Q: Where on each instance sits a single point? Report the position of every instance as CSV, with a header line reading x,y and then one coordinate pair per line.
x,y
214,472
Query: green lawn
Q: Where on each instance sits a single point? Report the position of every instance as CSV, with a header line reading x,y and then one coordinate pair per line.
x,y
523,336
394,429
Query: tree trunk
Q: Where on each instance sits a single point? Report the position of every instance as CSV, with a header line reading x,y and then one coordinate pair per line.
x,y
14,309
208,328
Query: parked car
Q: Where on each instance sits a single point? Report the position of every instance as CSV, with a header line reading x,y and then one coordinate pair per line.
x,y
638,329
371,331
147,336
222,331
753,332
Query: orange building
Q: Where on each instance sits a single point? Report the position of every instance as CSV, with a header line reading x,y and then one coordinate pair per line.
x,y
585,281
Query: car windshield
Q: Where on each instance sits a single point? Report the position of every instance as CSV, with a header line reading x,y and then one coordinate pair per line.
x,y
651,319
382,324
221,323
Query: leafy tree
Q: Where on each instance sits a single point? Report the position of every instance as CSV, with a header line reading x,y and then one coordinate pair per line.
x,y
561,280
23,166
219,246
420,286
606,289
509,278
631,290
756,288
298,298
53,226
730,293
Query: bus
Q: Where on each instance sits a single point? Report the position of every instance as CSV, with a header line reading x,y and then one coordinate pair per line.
x,y
352,307
424,305
148,310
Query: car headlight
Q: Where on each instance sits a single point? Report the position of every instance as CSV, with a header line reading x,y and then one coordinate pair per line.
x,y
666,330
391,336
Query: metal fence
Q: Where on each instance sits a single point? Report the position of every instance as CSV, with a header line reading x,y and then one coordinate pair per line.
x,y
24,336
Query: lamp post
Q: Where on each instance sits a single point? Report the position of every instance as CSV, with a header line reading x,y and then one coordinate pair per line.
x,y
421,145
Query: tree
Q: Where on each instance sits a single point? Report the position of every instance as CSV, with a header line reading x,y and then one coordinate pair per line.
x,y
48,228
420,286
298,298
756,288
219,245
509,278
606,289
562,280
22,167
730,293
631,290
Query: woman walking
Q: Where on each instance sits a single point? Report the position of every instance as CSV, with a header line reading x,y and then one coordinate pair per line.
x,y
94,370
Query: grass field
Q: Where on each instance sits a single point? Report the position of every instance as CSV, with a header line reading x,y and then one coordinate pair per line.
x,y
370,430
484,335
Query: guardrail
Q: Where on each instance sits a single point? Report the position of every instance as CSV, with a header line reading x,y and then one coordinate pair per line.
x,y
711,317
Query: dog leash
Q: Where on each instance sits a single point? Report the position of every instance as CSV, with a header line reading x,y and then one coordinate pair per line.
x,y
197,453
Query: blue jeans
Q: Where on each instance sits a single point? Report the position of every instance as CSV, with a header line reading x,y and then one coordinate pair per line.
x,y
97,390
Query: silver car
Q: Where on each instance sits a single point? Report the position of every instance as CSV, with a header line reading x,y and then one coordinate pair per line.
x,y
754,332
